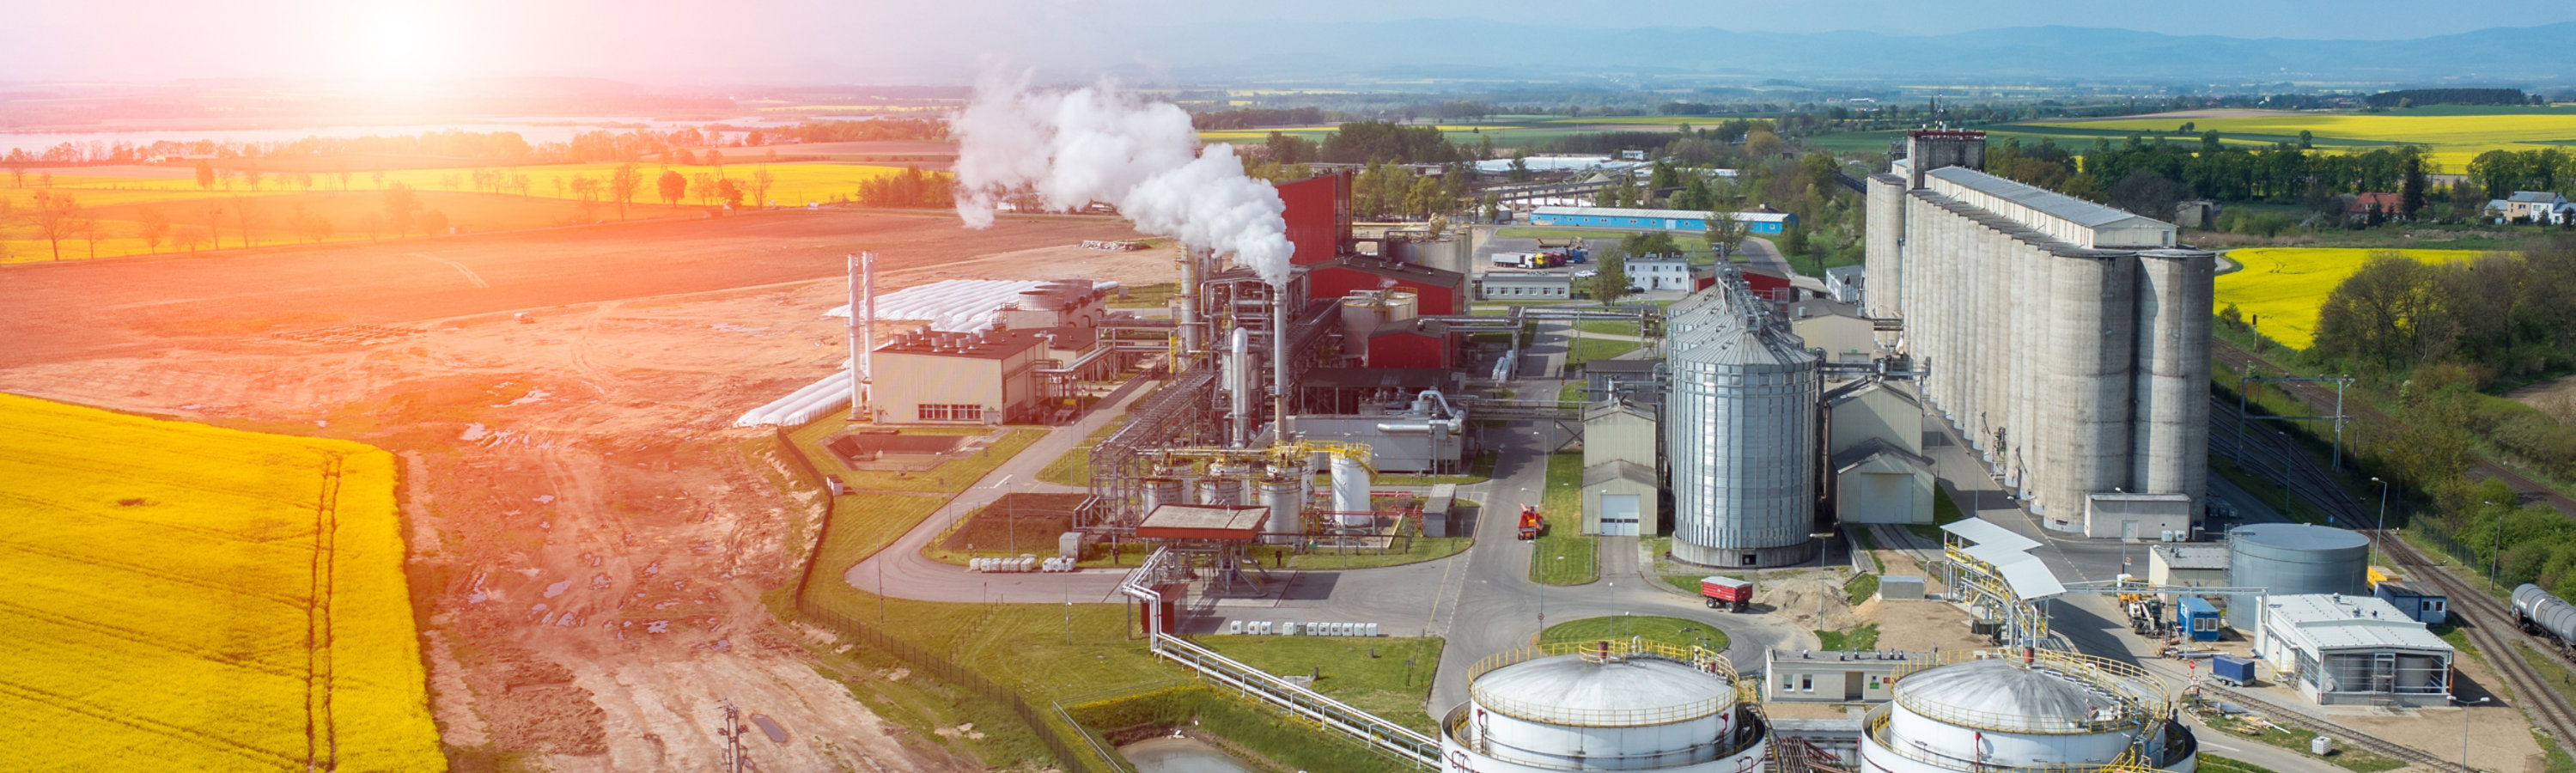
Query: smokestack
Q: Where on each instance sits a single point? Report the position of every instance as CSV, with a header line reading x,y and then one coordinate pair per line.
x,y
1279,363
1188,323
1239,378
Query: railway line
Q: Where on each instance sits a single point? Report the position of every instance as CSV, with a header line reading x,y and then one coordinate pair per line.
x,y
2318,395
2491,627
2280,714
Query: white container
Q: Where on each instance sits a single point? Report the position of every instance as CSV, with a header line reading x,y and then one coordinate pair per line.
x,y
1292,627
1234,626
2321,745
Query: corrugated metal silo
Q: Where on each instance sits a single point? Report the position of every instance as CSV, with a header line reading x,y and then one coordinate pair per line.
x,y
2295,559
1742,413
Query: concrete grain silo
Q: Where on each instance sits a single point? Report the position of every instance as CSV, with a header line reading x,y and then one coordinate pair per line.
x,y
1604,706
1740,433
2066,341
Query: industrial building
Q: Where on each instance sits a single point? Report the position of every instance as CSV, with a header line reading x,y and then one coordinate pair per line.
x,y
1525,286
1759,223
1741,398
2340,649
1650,273
2067,341
1876,470
1844,283
2025,710
1835,677
1622,481
935,377
2188,566
1606,706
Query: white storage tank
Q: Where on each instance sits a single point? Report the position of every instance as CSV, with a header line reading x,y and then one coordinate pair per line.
x,y
1284,492
1351,493
1603,706
1985,711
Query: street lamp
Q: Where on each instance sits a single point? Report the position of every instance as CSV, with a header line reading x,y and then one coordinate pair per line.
x,y
2383,517
2464,729
1010,523
2494,557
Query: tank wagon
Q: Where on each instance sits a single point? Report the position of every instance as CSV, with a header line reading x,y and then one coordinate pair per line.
x,y
2025,711
2545,615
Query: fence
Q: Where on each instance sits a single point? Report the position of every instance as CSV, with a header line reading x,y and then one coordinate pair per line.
x,y
1083,758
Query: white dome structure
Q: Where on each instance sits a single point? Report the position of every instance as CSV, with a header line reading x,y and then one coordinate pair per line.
x,y
1604,705
1994,711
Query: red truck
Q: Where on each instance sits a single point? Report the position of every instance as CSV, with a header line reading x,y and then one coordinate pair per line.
x,y
1735,595
1530,522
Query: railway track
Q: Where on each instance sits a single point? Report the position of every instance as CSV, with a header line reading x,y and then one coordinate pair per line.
x,y
2491,627
2285,715
2317,395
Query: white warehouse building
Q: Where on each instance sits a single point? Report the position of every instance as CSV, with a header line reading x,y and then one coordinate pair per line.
x,y
2339,649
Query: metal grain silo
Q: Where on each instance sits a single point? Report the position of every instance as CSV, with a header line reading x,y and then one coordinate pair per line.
x,y
2293,559
1740,434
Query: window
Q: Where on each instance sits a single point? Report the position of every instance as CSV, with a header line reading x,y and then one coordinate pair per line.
x,y
1807,682
941,412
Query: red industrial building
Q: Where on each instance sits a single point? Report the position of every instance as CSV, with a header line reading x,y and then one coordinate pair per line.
x,y
1443,293
1319,217
1420,343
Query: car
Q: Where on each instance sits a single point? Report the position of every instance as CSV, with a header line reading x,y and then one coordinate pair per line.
x,y
1586,272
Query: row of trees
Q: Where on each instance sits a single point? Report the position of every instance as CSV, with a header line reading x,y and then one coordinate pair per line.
x,y
56,218
497,147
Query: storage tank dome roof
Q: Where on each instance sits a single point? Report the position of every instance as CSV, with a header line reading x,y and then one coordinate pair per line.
x,y
2000,695
2300,535
1574,690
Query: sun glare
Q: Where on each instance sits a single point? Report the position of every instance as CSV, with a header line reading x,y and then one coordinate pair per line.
x,y
401,44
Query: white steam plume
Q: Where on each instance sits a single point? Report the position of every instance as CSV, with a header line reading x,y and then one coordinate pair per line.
x,y
1109,145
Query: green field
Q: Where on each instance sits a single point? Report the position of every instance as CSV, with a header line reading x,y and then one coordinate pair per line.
x,y
1655,628
2285,285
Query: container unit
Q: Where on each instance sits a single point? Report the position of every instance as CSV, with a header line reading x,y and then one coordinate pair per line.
x,y
2231,670
2196,619
1740,436
2294,559
1604,710
2025,710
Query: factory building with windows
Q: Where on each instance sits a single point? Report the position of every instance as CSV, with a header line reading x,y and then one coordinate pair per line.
x,y
2067,341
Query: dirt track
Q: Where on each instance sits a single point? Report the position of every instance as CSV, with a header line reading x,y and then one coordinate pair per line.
x,y
589,537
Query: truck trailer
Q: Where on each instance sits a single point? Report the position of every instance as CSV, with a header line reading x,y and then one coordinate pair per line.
x,y
1726,593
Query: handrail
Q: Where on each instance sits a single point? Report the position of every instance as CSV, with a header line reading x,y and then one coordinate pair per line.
x,y
1875,730
1333,714
2139,693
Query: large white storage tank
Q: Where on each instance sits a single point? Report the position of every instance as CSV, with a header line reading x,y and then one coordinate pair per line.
x,y
1989,710
1604,706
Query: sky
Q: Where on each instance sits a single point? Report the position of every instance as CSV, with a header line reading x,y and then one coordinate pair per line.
x,y
395,41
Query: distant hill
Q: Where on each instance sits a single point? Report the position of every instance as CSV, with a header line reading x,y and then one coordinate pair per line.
x,y
1481,48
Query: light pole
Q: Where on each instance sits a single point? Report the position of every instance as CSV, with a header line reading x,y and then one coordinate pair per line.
x,y
1010,523
2495,557
2383,518
2464,730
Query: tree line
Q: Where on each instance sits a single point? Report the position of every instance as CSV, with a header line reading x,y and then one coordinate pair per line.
x,y
2413,97
2432,340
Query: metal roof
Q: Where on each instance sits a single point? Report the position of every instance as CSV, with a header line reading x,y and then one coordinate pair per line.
x,y
2193,556
1569,689
2029,579
2003,696
2069,208
1987,533
2338,622
2301,536
1667,214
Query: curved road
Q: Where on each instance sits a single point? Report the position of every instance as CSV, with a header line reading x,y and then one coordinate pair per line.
x,y
1481,601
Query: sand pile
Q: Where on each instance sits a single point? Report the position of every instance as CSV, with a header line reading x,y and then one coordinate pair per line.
x,y
1812,604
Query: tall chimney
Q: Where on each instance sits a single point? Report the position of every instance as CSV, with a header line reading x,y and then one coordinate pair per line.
x,y
1279,363
1188,324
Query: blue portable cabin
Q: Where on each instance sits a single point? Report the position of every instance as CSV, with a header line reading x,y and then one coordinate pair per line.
x,y
1767,223
2232,670
2197,619
2425,606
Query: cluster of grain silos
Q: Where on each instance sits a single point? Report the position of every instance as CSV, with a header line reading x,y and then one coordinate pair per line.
x,y
1740,431
2030,710
1604,706
2067,341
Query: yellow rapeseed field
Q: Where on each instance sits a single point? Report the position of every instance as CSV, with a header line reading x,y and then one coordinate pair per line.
x,y
2454,139
112,200
159,599
2285,285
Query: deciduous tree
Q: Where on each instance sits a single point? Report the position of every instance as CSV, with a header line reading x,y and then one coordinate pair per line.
x,y
622,185
152,224
761,181
247,211
400,203
673,187
54,218
205,175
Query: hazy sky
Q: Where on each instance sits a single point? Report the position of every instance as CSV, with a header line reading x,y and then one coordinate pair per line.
x,y
395,40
